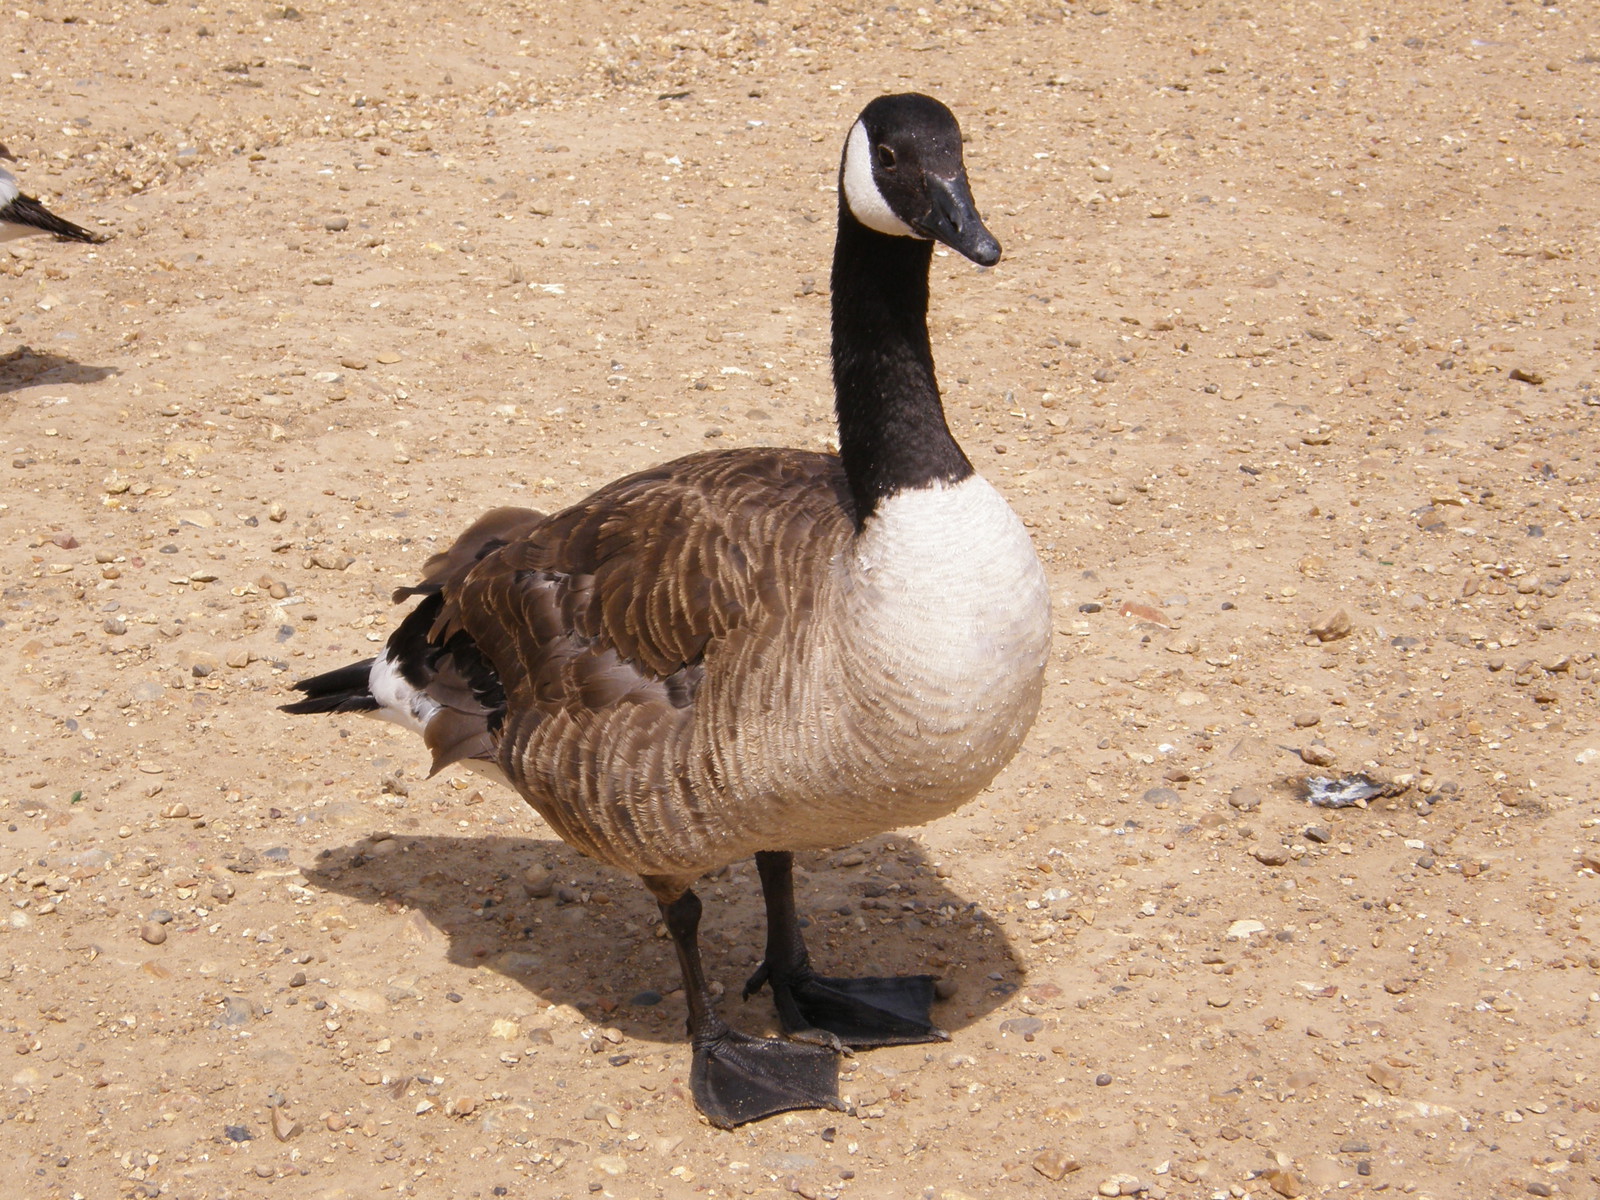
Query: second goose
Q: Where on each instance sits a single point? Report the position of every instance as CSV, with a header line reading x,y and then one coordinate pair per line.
x,y
756,651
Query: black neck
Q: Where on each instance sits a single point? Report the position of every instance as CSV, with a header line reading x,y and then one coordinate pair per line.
x,y
892,431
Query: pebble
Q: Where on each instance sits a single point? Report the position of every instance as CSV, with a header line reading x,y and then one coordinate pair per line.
x,y
1103,1079
1055,1164
538,883
153,933
1122,1185
1026,1027
1219,1001
1384,1076
1305,720
1271,856
1331,626
1245,799
1286,1183
284,1126
336,224
1161,795
162,916
1537,1187
1317,755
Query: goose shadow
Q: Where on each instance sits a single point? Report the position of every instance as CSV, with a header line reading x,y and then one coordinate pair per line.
x,y
592,942
27,367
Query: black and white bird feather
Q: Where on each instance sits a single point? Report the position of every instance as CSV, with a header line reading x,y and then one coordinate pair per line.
x,y
23,216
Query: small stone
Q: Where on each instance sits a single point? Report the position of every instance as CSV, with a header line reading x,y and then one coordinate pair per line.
x,y
115,626
1271,856
284,1126
1396,987
1305,720
1245,799
276,511
161,916
336,224
1025,1027
1384,1076
1055,1164
153,933
1219,1001
538,883
175,810
1103,1079
1243,928
1537,1187
1317,755
1100,173
1525,376
337,1122
945,988
298,979
1117,499
1286,1183
1331,626
321,280
238,659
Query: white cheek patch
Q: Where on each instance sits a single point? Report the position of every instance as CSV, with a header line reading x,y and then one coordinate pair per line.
x,y
861,192
8,187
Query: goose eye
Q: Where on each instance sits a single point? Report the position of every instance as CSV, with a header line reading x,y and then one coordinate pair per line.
x,y
886,158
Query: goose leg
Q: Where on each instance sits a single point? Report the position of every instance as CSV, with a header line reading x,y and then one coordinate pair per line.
x,y
874,1011
737,1078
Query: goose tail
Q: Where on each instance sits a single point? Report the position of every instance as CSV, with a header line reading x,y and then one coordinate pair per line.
x,y
347,689
433,682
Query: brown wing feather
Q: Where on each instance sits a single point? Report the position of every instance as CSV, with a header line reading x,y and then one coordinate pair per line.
x,y
600,621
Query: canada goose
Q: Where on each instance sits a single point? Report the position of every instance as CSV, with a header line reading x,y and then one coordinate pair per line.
x,y
23,215
756,651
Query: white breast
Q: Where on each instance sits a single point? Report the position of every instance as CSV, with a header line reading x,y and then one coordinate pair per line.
x,y
947,575
949,603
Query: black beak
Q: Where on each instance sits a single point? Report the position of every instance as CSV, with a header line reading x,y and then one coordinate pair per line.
x,y
953,219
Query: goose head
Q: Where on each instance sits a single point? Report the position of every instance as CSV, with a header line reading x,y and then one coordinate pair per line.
x,y
903,175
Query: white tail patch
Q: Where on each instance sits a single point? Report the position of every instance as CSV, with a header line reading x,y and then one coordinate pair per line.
x,y
397,700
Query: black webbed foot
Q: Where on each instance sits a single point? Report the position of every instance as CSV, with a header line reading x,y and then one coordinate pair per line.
x,y
871,1011
737,1078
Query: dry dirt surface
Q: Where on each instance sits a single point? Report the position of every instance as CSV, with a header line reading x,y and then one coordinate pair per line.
x,y
1290,366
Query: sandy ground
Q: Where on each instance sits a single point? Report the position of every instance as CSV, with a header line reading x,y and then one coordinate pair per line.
x,y
1297,319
